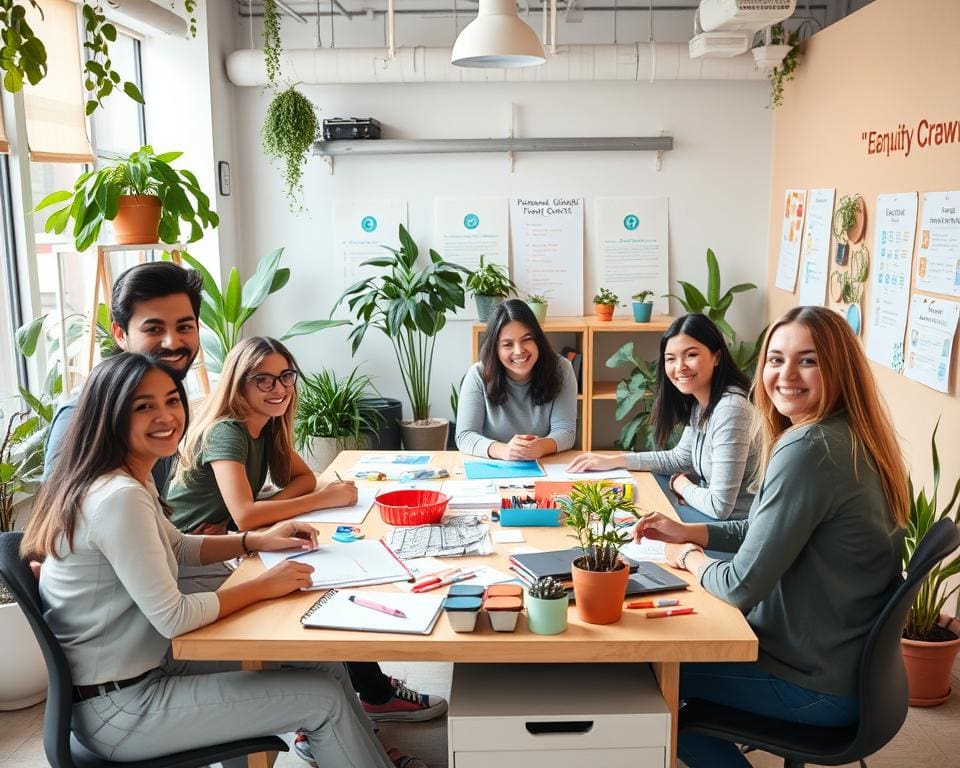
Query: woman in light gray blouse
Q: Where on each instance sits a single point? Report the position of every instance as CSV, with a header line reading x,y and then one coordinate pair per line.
x,y
700,387
520,400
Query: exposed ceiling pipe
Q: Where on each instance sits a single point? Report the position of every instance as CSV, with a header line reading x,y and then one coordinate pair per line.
x,y
391,50
289,11
315,66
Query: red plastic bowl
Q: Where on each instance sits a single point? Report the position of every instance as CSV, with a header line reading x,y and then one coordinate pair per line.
x,y
412,507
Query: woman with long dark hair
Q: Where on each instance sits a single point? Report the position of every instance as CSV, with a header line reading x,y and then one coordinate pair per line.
x,y
109,589
520,400
820,553
699,387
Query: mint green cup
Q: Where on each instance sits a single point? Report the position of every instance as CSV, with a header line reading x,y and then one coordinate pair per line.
x,y
546,617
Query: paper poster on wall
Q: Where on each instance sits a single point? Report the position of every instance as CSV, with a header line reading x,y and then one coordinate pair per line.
x,y
791,232
632,235
815,249
466,229
933,328
938,256
361,228
896,227
547,238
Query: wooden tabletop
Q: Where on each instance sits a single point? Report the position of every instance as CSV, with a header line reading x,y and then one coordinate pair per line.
x,y
271,631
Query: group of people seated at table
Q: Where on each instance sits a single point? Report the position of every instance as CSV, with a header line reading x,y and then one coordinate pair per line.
x,y
797,474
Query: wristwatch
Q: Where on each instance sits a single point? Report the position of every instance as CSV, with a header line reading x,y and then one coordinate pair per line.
x,y
682,559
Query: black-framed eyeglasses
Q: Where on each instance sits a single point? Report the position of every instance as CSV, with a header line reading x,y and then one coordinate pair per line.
x,y
265,382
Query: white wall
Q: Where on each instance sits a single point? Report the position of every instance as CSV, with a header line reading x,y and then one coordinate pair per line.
x,y
717,181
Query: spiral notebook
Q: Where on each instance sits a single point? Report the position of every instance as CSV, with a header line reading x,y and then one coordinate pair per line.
x,y
335,611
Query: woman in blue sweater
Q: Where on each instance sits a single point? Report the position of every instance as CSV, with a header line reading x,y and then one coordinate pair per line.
x,y
820,553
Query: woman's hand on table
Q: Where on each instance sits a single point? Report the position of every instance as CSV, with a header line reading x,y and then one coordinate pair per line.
x,y
284,578
520,448
594,462
339,493
289,534
659,527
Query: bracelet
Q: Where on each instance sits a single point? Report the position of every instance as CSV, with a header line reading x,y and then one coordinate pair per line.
x,y
243,544
682,560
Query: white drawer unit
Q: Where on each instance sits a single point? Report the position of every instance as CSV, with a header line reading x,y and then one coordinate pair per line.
x,y
556,716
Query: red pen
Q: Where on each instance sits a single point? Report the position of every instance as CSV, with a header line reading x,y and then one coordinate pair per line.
x,y
669,612
434,578
429,586
653,603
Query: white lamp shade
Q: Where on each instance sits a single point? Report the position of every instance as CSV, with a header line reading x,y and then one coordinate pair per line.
x,y
498,39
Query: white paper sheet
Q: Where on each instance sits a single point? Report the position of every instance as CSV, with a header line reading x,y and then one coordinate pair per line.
x,y
344,515
547,236
791,232
815,250
938,256
559,472
933,327
632,240
645,549
507,536
477,494
892,257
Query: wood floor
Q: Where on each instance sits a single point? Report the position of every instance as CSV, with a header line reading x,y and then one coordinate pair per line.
x,y
929,739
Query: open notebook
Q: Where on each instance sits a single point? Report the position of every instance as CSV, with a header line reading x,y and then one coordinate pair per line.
x,y
335,611
357,564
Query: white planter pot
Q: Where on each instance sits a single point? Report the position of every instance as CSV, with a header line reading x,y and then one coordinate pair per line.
x,y
323,450
23,674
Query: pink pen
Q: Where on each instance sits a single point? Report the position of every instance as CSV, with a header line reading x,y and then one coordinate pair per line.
x,y
377,606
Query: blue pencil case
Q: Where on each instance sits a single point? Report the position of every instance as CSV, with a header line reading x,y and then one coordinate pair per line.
x,y
532,518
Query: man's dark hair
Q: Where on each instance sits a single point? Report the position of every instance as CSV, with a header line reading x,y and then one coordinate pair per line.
x,y
153,280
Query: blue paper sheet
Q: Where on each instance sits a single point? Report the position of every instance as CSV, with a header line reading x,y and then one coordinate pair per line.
x,y
479,469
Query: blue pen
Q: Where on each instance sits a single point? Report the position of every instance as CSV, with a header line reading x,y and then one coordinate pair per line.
x,y
302,554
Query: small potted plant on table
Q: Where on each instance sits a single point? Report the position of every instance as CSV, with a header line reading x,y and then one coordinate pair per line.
x,y
490,285
538,305
547,607
642,309
605,302
599,576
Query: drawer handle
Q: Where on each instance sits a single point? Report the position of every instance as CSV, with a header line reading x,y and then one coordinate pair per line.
x,y
559,726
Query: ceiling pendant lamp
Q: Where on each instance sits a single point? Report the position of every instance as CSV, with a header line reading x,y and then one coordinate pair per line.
x,y
497,39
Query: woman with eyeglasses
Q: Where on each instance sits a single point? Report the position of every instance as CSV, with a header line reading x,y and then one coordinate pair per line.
x,y
244,429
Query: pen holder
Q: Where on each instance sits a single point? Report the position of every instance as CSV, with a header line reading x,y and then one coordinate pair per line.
x,y
462,612
547,617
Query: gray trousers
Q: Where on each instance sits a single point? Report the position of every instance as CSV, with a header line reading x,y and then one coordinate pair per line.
x,y
188,705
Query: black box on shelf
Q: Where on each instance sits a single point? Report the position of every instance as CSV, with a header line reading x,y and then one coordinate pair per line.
x,y
351,128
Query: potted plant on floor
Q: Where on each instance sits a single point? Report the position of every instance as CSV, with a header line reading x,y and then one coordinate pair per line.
x,y
23,675
599,577
538,305
605,302
144,197
410,307
931,639
489,286
547,604
642,309
332,413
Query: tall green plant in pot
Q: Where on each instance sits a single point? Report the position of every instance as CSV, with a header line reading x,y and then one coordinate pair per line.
x,y
930,638
599,577
332,412
410,306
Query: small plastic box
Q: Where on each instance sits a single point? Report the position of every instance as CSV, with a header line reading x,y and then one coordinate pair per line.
x,y
462,612
465,590
504,611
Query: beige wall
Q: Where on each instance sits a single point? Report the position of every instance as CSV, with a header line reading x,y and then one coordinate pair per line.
x,y
892,62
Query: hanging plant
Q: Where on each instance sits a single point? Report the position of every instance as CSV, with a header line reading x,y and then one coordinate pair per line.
x,y
271,42
779,75
24,56
288,132
100,78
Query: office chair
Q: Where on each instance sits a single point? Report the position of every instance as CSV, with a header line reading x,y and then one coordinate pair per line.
x,y
61,746
883,686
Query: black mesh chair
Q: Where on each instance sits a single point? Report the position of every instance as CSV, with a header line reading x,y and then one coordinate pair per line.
x,y
61,746
883,686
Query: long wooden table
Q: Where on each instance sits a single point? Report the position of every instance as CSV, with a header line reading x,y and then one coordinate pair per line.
x,y
271,631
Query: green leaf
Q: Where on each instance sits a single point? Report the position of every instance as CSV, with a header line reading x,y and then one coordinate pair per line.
x,y
110,32
257,288
305,327
53,198
280,279
133,92
210,286
623,356
713,278
232,298
740,288
695,301
27,336
12,81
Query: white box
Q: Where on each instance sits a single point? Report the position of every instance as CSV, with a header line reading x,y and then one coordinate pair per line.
x,y
556,716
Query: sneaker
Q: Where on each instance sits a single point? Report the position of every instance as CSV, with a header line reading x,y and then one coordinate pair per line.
x,y
406,705
301,747
404,761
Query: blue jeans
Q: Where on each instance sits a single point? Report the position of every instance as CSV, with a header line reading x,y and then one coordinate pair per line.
x,y
746,686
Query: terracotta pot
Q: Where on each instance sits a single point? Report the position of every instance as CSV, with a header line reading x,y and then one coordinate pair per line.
x,y
137,219
426,435
929,666
605,311
599,594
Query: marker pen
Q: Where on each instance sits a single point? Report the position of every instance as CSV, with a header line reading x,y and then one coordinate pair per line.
x,y
653,603
669,612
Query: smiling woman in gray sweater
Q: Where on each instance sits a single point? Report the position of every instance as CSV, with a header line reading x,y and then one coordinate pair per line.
x,y
700,387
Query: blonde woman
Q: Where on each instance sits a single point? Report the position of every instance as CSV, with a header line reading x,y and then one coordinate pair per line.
x,y
819,554
246,428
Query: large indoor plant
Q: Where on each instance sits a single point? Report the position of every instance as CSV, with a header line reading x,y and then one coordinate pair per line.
x,y
930,638
223,312
23,676
410,306
144,197
599,576
489,285
332,412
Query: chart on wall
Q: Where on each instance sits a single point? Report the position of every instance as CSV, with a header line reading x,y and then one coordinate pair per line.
x,y
362,228
632,235
791,232
894,234
815,250
933,328
547,237
938,256
466,229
